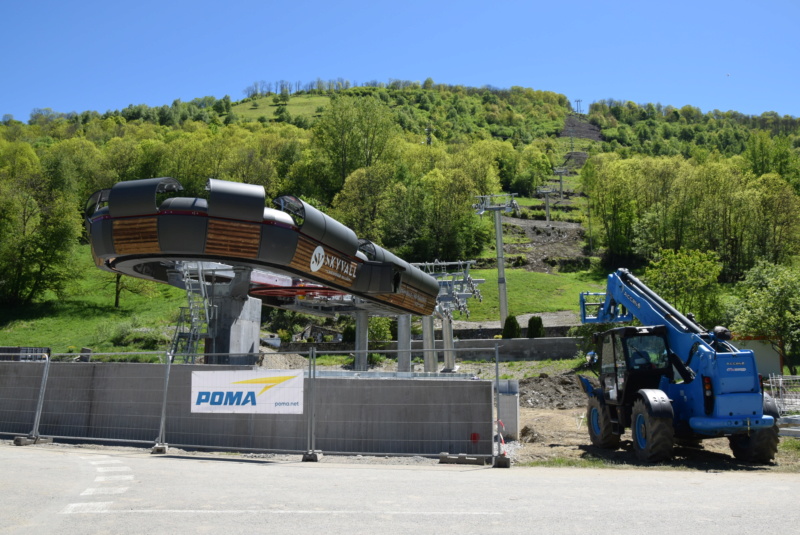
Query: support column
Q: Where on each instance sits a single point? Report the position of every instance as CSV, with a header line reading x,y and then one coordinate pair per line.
x,y
501,268
362,340
404,343
237,329
447,343
429,344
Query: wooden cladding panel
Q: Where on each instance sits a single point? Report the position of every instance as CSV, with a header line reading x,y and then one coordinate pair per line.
x,y
410,298
231,238
336,268
302,255
139,235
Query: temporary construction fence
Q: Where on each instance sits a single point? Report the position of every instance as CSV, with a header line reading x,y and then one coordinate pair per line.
x,y
785,390
387,413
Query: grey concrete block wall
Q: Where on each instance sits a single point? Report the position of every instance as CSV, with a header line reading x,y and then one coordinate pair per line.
x,y
123,401
476,349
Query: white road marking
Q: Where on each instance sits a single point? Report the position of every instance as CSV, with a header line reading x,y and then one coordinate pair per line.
x,y
113,468
104,479
96,491
306,512
93,507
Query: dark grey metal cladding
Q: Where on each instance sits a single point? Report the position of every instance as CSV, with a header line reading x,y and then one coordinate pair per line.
x,y
321,227
420,280
100,230
181,228
138,197
407,273
375,278
233,200
278,238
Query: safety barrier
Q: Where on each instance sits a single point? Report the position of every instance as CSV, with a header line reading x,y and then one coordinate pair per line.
x,y
386,413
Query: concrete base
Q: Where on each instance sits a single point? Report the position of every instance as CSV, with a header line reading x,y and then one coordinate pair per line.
x,y
461,458
502,462
27,441
312,456
160,449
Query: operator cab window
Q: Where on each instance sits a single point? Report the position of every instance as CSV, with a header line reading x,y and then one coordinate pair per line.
x,y
646,352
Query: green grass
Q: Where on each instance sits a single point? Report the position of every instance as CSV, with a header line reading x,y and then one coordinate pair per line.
x,y
561,462
334,360
301,105
530,292
86,317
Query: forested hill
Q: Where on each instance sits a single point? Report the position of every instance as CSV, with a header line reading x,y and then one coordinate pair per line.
x,y
401,164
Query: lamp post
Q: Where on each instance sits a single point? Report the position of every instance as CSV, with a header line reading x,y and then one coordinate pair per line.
x,y
497,204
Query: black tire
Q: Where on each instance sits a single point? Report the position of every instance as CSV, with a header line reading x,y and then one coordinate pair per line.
x,y
653,438
598,417
759,446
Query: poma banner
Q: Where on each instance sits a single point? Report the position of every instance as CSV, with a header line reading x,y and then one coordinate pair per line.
x,y
248,391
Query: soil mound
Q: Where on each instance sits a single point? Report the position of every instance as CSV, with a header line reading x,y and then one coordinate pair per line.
x,y
556,392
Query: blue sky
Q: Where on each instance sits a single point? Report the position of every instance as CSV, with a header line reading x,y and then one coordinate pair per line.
x,y
103,55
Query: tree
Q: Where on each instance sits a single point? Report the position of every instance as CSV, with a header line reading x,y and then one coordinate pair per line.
x,y
511,327
128,284
362,202
353,133
38,231
535,327
686,279
769,307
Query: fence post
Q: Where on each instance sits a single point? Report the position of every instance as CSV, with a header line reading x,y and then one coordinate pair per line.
x,y
312,454
161,446
501,460
33,437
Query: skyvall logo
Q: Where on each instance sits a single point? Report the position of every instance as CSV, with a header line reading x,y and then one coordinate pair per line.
x,y
320,258
317,259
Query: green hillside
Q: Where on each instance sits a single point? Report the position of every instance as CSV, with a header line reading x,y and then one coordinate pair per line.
x,y
402,164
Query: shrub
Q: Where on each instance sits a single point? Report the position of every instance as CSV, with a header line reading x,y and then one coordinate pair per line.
x,y
511,328
535,327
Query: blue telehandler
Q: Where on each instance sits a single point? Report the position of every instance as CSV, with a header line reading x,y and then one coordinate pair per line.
x,y
671,381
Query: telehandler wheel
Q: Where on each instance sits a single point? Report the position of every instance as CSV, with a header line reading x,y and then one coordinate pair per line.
x,y
760,446
653,438
598,416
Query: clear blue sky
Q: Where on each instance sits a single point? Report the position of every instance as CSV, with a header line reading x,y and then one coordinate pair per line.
x,y
104,55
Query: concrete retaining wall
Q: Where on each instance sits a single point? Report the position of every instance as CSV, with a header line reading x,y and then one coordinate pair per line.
x,y
122,401
478,349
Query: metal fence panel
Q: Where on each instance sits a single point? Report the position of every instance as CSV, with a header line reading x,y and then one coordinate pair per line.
x,y
104,401
19,393
404,416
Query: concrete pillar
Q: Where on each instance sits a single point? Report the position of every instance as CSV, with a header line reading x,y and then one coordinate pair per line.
x,y
237,329
404,343
447,344
362,341
429,344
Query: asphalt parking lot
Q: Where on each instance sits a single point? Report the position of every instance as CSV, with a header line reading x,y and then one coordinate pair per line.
x,y
65,489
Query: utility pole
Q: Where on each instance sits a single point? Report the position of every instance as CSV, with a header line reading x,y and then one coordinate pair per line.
x,y
497,204
560,171
546,192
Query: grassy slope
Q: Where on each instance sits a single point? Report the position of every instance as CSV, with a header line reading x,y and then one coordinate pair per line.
x,y
87,317
530,292
301,105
